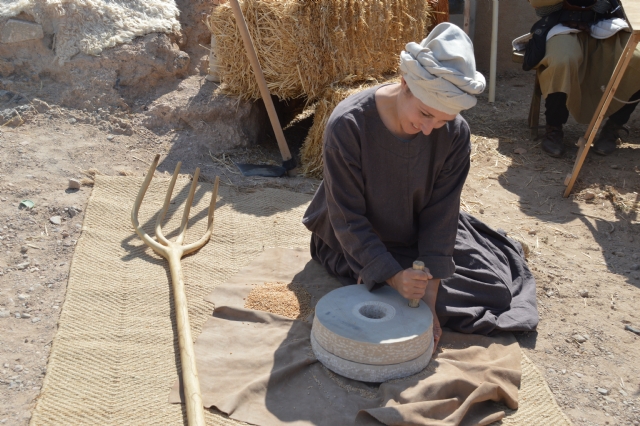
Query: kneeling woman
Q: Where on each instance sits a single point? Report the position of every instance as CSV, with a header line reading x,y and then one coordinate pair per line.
x,y
396,158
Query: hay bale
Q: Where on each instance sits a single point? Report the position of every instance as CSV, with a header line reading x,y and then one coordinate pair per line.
x,y
305,45
311,153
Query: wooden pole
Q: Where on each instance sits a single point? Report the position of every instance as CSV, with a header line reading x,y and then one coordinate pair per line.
x,y
262,83
585,142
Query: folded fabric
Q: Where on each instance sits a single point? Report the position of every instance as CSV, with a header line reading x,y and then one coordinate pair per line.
x,y
441,70
600,30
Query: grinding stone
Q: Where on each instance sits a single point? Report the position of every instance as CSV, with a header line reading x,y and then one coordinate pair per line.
x,y
368,372
372,328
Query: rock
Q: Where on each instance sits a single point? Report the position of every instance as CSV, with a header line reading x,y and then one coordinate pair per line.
x,y
579,338
589,195
18,368
23,296
549,293
72,120
22,266
26,315
602,391
56,220
584,293
609,399
615,166
35,319
520,151
6,69
16,30
563,371
623,393
40,105
24,249
73,211
110,137
74,184
579,375
632,329
4,314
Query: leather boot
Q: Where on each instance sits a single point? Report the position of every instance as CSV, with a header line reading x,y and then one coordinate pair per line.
x,y
609,135
553,142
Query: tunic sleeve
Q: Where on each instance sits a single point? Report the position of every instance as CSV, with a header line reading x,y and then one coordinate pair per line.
x,y
438,220
364,251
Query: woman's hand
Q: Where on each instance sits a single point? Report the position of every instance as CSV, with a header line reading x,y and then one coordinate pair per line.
x,y
411,283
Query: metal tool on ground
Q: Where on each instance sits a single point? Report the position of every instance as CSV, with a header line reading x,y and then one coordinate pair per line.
x,y
173,251
288,162
419,265
372,336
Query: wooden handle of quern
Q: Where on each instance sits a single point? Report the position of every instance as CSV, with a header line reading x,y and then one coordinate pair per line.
x,y
419,265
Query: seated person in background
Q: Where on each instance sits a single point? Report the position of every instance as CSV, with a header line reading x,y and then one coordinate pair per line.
x,y
396,157
584,40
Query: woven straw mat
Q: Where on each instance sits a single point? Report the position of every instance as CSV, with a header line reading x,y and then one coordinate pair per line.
x,y
115,356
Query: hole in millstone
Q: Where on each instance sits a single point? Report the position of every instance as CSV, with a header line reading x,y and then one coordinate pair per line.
x,y
373,311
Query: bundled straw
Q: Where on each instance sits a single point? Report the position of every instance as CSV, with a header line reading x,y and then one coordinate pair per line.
x,y
305,45
311,153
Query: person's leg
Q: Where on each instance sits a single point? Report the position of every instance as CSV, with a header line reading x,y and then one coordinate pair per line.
x,y
556,115
558,73
606,142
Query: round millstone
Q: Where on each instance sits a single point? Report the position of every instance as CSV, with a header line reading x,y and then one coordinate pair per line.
x,y
358,330
368,372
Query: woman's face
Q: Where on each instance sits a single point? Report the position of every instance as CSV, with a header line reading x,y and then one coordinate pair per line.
x,y
416,117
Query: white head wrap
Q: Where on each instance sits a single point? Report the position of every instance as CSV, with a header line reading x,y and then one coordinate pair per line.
x,y
441,70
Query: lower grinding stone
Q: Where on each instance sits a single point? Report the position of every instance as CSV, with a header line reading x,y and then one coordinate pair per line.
x,y
371,336
368,372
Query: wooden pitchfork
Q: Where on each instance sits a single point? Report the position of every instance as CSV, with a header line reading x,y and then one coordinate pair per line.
x,y
173,252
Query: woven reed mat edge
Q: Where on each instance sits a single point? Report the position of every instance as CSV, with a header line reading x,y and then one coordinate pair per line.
x,y
114,357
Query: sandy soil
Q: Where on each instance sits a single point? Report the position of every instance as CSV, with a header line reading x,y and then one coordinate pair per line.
x,y
584,250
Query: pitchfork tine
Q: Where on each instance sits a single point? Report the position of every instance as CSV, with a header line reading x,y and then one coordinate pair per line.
x,y
187,208
212,208
158,248
165,207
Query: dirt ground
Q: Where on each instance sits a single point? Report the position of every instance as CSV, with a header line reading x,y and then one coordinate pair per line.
x,y
584,250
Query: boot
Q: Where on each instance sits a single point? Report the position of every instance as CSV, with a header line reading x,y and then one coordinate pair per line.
x,y
553,142
609,135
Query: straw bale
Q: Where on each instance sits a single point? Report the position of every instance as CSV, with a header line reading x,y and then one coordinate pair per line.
x,y
305,45
311,152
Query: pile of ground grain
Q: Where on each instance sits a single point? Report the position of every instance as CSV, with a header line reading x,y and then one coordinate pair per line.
x,y
290,300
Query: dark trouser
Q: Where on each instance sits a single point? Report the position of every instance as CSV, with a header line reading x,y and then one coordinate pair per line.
x,y
557,114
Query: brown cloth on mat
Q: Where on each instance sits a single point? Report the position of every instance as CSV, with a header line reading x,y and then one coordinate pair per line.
x,y
258,367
